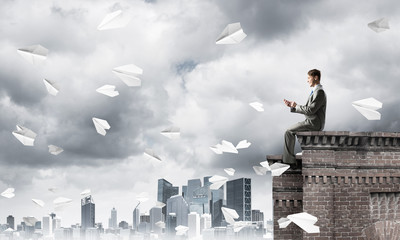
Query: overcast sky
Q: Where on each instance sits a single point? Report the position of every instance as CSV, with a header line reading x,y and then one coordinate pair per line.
x,y
188,82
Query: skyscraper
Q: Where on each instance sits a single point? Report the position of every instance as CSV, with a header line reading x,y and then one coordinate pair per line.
x,y
178,207
10,222
194,225
47,226
136,218
155,216
112,221
165,191
238,197
216,202
193,184
87,212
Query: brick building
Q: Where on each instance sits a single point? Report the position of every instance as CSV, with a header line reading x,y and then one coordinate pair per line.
x,y
349,181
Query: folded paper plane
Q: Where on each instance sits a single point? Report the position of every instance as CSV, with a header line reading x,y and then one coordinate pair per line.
x,y
367,107
101,126
379,25
230,171
227,146
216,149
38,202
243,144
34,54
303,220
114,20
230,215
30,221
232,34
55,150
8,193
260,170
108,90
61,202
129,74
171,133
257,106
160,204
51,87
160,224
25,135
143,197
217,182
86,193
149,154
181,230
276,169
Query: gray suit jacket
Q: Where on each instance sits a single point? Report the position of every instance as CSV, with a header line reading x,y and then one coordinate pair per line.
x,y
315,108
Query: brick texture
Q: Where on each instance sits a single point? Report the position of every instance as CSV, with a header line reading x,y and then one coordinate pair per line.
x,y
349,181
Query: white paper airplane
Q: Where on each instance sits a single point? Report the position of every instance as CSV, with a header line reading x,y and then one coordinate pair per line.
x,y
230,171
243,144
114,20
143,197
101,126
379,25
367,108
129,74
34,54
160,224
257,106
51,87
30,221
276,169
25,135
85,193
8,193
232,34
217,182
61,202
38,202
260,170
216,149
8,230
171,133
108,90
181,230
227,146
230,215
160,204
150,155
303,220
284,222
55,150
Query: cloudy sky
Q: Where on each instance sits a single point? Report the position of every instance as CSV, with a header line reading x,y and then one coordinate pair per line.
x,y
188,82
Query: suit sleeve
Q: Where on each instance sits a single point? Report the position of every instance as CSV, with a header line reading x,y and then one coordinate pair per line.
x,y
313,107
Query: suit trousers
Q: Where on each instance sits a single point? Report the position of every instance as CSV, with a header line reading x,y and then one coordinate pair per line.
x,y
290,137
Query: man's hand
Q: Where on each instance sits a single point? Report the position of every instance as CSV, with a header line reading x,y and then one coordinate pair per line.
x,y
291,104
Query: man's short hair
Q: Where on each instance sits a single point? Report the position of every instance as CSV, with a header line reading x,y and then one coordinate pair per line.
x,y
315,73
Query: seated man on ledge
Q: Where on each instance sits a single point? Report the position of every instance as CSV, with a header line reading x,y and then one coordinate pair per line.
x,y
314,111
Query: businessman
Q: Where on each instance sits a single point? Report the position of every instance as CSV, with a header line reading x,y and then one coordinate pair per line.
x,y
314,111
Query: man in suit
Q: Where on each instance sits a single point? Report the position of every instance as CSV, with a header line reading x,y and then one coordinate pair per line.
x,y
314,111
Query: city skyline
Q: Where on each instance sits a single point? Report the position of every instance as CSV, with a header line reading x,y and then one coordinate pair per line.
x,y
188,82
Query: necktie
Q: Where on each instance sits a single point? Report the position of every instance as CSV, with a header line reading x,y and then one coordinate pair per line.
x,y
311,92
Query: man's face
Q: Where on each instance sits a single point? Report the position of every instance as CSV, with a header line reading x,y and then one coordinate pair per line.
x,y
311,80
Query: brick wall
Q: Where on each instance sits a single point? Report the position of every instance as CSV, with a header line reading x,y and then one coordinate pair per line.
x,y
350,182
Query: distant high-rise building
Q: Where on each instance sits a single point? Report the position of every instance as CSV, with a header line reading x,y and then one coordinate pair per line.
x,y
193,184
38,225
155,216
257,216
216,202
177,206
165,191
47,226
184,191
238,197
194,225
145,218
205,222
87,212
136,219
123,225
10,222
56,221
112,221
